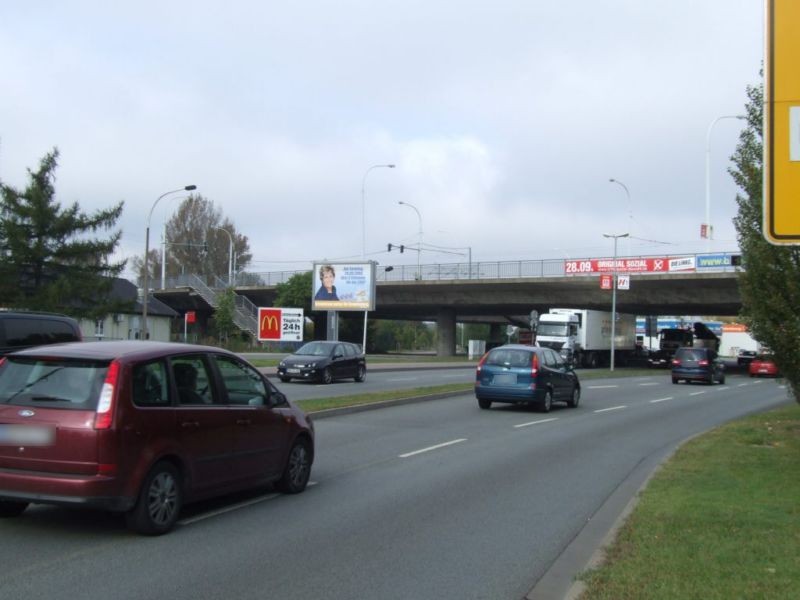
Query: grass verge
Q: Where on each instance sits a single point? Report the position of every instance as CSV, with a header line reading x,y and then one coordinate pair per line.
x,y
721,519
316,404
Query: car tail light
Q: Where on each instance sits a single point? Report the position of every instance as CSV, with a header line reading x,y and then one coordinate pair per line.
x,y
702,363
105,406
534,364
2,361
676,362
482,361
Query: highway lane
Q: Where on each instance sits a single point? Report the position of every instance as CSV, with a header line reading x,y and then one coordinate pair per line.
x,y
429,500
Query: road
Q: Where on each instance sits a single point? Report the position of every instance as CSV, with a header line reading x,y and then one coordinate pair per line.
x,y
429,500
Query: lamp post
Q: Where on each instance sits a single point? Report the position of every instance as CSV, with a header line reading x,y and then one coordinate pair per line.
x,y
708,175
614,294
146,293
630,204
364,235
419,236
364,208
230,255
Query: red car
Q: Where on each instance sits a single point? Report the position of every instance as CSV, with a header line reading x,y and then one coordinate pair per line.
x,y
763,365
142,428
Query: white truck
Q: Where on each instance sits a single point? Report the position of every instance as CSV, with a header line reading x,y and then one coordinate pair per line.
x,y
583,337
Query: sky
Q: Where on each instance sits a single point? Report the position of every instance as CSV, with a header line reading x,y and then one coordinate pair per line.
x,y
505,120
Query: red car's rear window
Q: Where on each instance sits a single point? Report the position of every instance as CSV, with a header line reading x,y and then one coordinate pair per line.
x,y
54,383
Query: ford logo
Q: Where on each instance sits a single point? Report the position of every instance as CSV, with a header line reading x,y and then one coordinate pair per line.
x,y
26,413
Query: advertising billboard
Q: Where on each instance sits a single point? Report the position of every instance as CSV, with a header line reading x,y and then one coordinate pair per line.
x,y
280,324
343,286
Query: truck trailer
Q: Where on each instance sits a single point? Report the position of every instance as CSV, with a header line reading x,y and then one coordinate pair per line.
x,y
583,337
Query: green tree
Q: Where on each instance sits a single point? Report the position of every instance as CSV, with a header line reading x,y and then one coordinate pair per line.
x,y
223,314
770,281
49,259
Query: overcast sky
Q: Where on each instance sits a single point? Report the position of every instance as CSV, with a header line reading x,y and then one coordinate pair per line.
x,y
506,120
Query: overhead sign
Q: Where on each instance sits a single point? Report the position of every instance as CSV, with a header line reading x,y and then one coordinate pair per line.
x,y
343,286
782,123
280,324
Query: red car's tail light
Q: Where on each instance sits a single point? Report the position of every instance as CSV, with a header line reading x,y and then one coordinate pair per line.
x,y
534,364
105,406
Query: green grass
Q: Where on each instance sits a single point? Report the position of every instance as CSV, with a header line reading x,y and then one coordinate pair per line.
x,y
720,520
312,405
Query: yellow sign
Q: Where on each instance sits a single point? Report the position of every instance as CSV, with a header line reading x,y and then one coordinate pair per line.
x,y
782,123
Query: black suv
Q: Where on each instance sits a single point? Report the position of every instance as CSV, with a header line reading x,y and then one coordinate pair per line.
x,y
19,330
697,364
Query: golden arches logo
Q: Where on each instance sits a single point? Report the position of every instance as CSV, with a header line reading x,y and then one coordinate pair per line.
x,y
269,323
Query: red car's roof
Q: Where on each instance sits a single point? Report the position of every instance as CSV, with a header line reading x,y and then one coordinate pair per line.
x,y
116,349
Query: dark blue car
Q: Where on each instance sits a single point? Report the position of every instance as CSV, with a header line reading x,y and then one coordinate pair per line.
x,y
519,374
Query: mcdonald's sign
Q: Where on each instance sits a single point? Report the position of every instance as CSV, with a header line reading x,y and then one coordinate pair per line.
x,y
280,324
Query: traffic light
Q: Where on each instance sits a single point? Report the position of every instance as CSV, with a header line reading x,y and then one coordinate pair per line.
x,y
402,247
389,247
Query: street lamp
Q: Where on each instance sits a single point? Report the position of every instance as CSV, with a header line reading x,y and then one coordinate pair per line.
x,y
614,294
419,236
187,188
230,255
364,236
364,208
708,175
630,204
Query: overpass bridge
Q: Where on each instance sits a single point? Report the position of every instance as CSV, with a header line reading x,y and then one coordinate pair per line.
x,y
502,292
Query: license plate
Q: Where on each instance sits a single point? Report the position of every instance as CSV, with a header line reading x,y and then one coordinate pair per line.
x,y
504,379
26,435
293,371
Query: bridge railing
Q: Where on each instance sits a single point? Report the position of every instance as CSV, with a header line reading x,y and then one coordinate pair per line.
x,y
510,269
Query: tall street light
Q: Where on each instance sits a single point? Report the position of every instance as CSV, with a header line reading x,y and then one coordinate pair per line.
x,y
364,208
187,188
708,175
614,294
630,204
230,255
419,236
364,235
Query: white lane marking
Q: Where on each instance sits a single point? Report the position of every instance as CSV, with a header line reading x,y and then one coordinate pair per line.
x,y
601,387
403,379
650,383
536,422
696,393
757,381
428,449
721,388
660,399
612,408
742,384
232,507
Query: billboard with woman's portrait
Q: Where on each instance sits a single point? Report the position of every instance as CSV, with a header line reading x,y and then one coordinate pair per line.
x,y
343,286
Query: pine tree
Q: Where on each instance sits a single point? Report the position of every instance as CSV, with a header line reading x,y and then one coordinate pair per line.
x,y
48,258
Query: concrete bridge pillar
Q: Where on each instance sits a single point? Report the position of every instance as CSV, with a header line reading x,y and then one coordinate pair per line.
x,y
446,329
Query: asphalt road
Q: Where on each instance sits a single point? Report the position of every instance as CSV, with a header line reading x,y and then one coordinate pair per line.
x,y
432,500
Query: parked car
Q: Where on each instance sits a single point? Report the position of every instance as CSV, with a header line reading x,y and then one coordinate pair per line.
x,y
745,357
697,364
142,428
519,374
324,361
763,365
19,330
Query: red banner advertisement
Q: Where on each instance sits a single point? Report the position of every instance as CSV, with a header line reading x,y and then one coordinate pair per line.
x,y
630,265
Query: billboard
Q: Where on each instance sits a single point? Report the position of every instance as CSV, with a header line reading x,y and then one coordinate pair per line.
x,y
343,286
629,265
280,324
